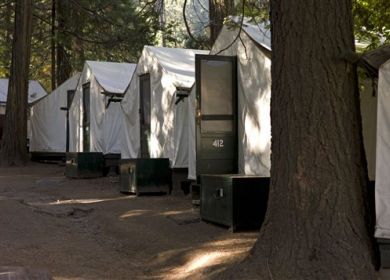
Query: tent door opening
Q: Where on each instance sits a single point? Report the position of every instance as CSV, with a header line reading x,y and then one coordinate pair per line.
x,y
86,117
145,114
70,95
216,114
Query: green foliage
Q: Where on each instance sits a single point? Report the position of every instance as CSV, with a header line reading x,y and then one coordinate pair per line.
x,y
6,29
200,43
372,21
84,30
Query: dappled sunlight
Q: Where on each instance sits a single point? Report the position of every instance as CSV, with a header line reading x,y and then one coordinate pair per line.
x,y
200,261
134,213
88,200
257,137
205,260
168,213
232,242
150,213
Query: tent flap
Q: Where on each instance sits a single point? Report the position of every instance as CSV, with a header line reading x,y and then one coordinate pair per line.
x,y
382,175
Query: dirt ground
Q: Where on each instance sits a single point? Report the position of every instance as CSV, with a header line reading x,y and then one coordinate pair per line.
x,y
85,229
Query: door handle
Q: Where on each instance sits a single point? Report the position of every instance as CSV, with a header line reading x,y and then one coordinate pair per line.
x,y
198,116
219,193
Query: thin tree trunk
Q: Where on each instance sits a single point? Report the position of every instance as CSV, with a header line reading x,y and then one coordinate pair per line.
x,y
218,10
8,30
53,44
63,68
14,145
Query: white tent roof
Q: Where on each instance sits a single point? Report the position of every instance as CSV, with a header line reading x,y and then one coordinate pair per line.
x,y
259,32
112,76
35,91
48,121
105,121
178,63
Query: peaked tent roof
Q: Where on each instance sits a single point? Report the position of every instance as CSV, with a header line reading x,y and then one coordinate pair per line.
x,y
178,63
35,91
114,77
259,32
372,60
70,83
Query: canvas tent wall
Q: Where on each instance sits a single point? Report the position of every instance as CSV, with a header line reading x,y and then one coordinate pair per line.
x,y
368,107
382,176
375,109
48,120
35,93
253,52
95,116
169,70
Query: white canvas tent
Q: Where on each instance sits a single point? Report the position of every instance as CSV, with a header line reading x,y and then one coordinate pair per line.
x,y
48,121
169,69
382,174
35,93
253,53
375,109
106,83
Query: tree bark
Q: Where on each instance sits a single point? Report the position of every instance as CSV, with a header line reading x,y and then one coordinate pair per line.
x,y
14,145
53,45
7,26
317,225
218,11
63,67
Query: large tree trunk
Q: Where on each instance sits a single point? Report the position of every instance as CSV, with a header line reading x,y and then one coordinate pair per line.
x,y
14,145
317,225
218,10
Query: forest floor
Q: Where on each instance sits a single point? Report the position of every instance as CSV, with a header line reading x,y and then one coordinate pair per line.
x,y
85,229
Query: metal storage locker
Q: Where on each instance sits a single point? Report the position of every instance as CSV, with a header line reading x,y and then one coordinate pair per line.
x,y
237,201
84,165
144,175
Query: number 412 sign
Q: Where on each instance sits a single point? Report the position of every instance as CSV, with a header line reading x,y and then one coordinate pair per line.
x,y
218,143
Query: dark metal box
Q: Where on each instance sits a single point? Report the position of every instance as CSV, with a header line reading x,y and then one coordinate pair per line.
x,y
145,175
237,201
384,248
84,165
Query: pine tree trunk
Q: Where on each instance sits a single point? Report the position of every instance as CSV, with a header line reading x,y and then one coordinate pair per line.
x,y
7,23
218,10
53,45
63,65
14,145
317,225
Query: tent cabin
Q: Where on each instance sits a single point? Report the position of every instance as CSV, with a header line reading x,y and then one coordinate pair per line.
x,y
376,134
233,134
35,93
156,107
95,115
49,123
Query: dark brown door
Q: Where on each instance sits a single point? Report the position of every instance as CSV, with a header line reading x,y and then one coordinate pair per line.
x,y
145,114
86,117
216,129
